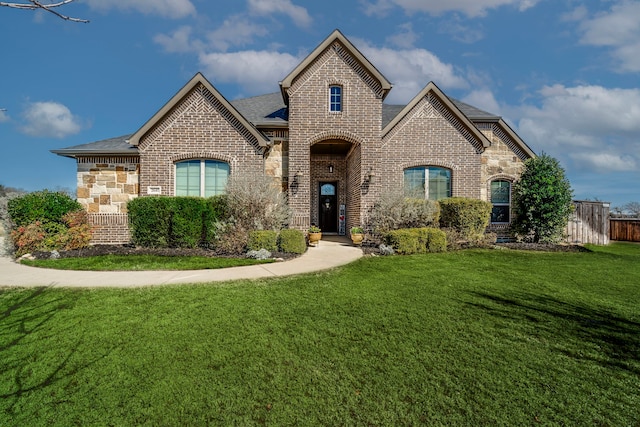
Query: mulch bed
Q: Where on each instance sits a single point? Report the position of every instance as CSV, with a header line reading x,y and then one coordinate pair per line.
x,y
98,250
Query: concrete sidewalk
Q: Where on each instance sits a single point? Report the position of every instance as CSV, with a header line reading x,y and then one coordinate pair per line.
x,y
332,252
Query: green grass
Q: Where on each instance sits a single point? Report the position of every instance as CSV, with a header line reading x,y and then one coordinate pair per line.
x,y
142,263
476,337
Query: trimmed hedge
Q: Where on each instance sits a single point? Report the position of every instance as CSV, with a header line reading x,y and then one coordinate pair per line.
x,y
292,241
263,239
45,206
408,241
162,222
468,216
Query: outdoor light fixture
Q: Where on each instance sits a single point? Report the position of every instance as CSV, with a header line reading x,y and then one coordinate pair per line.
x,y
297,176
371,175
330,168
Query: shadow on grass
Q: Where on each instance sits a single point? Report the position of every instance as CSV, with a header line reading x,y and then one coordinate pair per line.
x,y
33,352
579,331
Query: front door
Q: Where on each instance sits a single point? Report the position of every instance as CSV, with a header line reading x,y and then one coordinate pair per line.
x,y
328,209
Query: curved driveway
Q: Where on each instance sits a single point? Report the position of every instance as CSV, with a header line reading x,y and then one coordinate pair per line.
x,y
328,254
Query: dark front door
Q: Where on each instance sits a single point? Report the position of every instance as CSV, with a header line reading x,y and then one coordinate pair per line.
x,y
328,209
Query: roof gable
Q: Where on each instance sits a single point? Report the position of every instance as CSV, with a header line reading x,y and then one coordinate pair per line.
x,y
432,89
192,84
336,35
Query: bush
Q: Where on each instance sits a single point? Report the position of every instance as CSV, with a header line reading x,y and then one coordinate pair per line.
x,y
184,222
470,217
187,222
252,203
417,240
263,239
542,200
150,221
29,238
45,206
394,211
292,241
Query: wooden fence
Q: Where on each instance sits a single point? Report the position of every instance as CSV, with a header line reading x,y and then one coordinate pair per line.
x,y
589,223
625,229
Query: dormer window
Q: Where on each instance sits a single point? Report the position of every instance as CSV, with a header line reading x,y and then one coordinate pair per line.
x,y
335,98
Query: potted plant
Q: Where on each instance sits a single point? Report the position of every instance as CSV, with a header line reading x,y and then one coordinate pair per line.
x,y
357,235
315,234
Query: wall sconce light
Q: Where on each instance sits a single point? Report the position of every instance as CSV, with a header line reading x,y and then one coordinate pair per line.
x,y
297,177
330,168
371,175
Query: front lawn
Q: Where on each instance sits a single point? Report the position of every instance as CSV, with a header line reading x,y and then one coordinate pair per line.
x,y
476,337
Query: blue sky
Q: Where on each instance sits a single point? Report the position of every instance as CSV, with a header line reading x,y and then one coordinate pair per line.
x,y
564,74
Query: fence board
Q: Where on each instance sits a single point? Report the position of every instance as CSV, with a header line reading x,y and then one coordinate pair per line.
x,y
589,223
625,229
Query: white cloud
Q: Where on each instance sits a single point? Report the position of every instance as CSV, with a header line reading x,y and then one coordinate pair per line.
x,y
483,99
166,8
409,70
257,72
4,117
405,38
179,41
593,127
235,31
298,14
618,29
50,119
471,8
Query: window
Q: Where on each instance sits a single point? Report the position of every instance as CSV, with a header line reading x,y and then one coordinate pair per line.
x,y
335,100
501,201
202,178
430,182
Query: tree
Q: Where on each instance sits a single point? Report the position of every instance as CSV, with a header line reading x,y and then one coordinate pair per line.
x,y
49,7
633,209
542,200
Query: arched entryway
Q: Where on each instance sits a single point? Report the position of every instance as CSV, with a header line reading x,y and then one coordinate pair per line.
x,y
335,193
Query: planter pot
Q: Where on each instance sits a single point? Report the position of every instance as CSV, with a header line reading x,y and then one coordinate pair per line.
x,y
357,238
314,238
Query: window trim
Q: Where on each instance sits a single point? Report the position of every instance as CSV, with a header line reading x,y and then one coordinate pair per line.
x,y
502,204
425,183
202,171
340,102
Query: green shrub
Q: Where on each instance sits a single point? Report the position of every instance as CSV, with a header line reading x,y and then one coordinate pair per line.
x,y
45,206
292,241
470,217
408,241
174,221
188,221
150,221
404,241
263,239
29,238
542,200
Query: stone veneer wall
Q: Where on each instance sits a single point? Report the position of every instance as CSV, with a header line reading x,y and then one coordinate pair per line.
x,y
106,184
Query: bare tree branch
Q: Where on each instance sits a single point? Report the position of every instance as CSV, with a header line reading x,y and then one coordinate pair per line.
x,y
49,7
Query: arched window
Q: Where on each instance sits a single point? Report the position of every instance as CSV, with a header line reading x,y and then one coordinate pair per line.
x,y
501,201
430,182
202,178
335,98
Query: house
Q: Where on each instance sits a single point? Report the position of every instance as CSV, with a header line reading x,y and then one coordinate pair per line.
x,y
327,137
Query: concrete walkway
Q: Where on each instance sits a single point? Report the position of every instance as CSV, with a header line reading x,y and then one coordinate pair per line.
x,y
331,252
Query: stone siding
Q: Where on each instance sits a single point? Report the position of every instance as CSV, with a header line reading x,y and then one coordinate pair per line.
x,y
107,184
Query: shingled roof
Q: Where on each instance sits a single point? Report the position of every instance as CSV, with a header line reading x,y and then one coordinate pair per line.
x,y
262,111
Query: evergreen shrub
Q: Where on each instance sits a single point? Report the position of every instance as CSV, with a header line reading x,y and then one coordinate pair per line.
x,y
263,239
292,241
470,217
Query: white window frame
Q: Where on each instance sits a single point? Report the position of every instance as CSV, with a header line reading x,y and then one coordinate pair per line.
x,y
340,103
202,174
426,179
